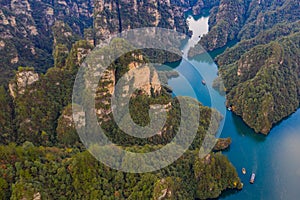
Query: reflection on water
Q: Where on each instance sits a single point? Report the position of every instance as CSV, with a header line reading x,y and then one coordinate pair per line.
x,y
198,26
245,131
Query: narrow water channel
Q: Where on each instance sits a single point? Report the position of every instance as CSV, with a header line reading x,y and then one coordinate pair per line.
x,y
274,158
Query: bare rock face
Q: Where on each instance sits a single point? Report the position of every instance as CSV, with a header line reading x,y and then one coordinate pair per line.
x,y
139,77
22,81
78,53
79,118
144,79
20,7
66,129
37,196
2,44
81,54
103,94
112,17
26,29
165,188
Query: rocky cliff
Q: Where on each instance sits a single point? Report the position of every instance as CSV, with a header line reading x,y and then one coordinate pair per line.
x,y
23,79
112,17
26,31
39,99
116,16
31,30
136,74
245,19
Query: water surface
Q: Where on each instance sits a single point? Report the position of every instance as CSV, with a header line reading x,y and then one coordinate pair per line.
x,y
274,158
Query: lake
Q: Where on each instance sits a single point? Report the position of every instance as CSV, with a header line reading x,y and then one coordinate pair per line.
x,y
274,158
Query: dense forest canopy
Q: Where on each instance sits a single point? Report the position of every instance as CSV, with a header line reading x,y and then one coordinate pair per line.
x,y
260,72
41,155
41,149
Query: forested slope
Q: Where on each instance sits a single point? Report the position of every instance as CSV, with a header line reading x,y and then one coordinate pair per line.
x,y
41,118
261,72
263,85
41,155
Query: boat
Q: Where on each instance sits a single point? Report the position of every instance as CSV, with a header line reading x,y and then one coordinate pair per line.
x,y
203,82
252,178
229,108
244,171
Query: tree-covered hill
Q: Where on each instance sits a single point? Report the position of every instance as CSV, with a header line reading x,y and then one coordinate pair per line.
x,y
261,72
244,19
42,156
263,83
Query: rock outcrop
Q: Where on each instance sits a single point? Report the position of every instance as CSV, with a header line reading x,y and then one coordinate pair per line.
x,y
139,77
26,31
23,79
245,19
164,188
112,17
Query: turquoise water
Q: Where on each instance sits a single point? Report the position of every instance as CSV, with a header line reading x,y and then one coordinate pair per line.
x,y
274,158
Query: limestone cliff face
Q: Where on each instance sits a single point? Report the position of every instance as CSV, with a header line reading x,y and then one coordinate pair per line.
x,y
22,80
77,54
144,79
115,16
139,77
103,94
39,16
26,31
66,131
39,99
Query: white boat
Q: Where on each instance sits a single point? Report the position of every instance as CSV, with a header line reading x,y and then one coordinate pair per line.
x,y
244,171
252,178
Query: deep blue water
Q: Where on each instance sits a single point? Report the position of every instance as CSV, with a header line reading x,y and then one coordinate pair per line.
x,y
274,158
